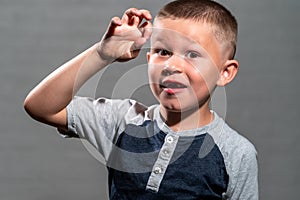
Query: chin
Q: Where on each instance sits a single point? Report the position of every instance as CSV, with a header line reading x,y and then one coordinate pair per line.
x,y
177,108
171,104
172,109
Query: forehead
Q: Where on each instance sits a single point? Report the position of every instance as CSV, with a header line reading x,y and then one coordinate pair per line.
x,y
188,30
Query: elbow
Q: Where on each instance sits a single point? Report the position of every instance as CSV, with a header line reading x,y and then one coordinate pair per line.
x,y
37,109
27,106
31,108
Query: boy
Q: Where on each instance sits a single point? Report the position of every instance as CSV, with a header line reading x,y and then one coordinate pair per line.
x,y
179,149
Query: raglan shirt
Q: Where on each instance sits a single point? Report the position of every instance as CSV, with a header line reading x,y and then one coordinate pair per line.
x,y
147,160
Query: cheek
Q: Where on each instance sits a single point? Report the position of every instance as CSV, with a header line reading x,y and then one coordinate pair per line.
x,y
155,69
153,76
206,76
152,73
211,80
203,83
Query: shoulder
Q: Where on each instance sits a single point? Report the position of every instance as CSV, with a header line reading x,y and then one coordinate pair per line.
x,y
104,113
235,139
234,147
118,109
237,144
229,141
103,103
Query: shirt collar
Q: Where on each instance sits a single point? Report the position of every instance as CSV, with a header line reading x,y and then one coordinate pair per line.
x,y
214,127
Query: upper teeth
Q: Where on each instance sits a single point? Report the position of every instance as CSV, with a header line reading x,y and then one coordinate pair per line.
x,y
173,85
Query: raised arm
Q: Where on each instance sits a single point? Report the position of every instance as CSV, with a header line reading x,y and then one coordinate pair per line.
x,y
124,37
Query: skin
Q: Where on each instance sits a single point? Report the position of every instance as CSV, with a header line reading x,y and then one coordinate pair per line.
x,y
186,52
47,102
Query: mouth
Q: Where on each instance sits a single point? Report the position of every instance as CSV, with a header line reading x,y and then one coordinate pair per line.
x,y
172,87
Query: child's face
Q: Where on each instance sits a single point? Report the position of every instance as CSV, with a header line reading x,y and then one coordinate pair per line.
x,y
184,63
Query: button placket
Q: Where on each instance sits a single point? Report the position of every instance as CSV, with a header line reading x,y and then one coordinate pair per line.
x,y
162,162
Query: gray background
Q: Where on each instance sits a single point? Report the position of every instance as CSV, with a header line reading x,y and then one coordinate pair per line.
x,y
37,36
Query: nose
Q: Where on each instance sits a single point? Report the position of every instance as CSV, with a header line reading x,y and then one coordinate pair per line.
x,y
174,65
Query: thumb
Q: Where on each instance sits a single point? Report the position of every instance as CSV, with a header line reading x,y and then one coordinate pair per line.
x,y
146,30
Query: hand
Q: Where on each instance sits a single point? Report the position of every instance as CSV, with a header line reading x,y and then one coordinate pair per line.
x,y
125,37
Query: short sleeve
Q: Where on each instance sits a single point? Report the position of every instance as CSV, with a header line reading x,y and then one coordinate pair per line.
x,y
240,158
96,120
246,183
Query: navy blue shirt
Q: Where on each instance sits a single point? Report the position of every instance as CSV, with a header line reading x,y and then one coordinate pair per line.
x,y
188,176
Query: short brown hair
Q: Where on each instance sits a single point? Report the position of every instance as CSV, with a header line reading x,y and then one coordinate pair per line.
x,y
224,23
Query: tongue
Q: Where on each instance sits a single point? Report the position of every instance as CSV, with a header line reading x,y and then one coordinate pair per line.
x,y
169,90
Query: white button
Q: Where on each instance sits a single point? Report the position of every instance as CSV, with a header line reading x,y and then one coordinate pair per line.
x,y
170,139
157,170
166,152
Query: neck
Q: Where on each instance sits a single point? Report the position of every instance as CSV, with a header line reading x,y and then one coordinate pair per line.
x,y
187,120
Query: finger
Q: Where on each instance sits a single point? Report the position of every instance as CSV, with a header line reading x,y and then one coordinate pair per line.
x,y
146,29
142,14
131,14
135,21
127,17
146,14
115,21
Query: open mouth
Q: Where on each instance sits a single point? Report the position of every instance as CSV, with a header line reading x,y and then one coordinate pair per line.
x,y
172,87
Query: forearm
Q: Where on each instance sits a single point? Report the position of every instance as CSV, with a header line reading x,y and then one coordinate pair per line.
x,y
56,91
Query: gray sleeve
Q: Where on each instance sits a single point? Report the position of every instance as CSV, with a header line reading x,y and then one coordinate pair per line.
x,y
240,158
243,173
97,121
240,161
246,180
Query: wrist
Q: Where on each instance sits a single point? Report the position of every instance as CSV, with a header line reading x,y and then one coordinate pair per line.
x,y
102,56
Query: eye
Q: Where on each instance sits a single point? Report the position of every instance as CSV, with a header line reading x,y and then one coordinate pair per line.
x,y
162,52
192,54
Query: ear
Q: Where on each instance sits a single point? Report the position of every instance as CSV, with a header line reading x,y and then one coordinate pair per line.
x,y
228,72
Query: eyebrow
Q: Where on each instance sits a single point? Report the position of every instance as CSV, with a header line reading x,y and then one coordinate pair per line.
x,y
191,45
